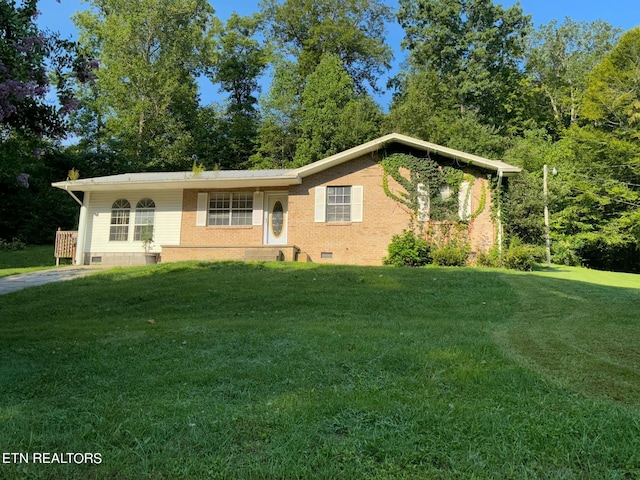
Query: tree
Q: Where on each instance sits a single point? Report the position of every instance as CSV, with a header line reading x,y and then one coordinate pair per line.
x,y
32,62
422,108
559,59
474,47
353,30
150,53
28,57
303,33
241,59
612,100
333,117
595,199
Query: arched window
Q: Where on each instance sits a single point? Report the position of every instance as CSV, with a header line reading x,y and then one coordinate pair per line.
x,y
145,214
120,212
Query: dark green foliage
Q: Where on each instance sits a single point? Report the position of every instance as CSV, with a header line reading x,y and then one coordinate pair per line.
x,y
14,244
426,178
408,250
524,207
517,256
352,30
29,208
492,258
559,60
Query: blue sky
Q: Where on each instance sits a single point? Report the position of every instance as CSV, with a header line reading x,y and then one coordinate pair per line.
x,y
624,14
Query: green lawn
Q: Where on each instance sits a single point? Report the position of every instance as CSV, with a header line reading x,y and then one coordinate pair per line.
x,y
231,370
34,257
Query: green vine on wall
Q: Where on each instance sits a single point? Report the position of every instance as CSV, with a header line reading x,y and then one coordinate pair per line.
x,y
427,177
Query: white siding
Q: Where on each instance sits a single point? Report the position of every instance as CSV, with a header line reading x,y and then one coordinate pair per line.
x,y
167,221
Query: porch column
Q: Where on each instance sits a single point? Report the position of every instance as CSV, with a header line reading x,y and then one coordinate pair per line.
x,y
82,229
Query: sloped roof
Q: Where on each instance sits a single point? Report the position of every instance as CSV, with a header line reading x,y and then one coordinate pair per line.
x,y
379,143
271,178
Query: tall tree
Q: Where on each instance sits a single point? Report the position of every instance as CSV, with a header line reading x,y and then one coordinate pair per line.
x,y
474,47
354,30
29,60
150,52
229,137
333,118
612,100
423,108
303,32
559,59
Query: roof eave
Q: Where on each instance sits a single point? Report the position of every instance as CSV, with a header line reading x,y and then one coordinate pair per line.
x,y
379,143
97,186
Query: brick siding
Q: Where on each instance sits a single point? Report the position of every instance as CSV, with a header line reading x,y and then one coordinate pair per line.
x,y
358,243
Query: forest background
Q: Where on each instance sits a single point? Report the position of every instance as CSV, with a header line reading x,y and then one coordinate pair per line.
x,y
298,80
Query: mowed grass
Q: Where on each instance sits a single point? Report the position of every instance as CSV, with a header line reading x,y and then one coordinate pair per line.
x,y
228,370
33,257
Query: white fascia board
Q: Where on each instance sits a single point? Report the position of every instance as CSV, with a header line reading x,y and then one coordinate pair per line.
x,y
99,185
379,143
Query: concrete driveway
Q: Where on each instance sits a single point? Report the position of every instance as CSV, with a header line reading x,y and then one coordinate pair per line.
x,y
13,283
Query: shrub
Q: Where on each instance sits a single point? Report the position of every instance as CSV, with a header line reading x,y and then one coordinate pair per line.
x,y
451,254
491,258
408,250
15,244
564,253
520,256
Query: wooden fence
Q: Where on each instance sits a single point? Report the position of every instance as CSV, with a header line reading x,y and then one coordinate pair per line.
x,y
65,245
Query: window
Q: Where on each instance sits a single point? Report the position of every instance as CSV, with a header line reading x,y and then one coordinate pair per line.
x,y
339,204
145,213
445,194
120,212
231,208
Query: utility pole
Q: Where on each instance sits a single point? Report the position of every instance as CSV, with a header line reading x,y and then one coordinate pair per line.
x,y
545,176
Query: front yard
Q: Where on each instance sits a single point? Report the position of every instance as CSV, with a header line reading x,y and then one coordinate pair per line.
x,y
228,370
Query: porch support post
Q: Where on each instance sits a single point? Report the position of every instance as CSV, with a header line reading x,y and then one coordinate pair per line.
x,y
82,229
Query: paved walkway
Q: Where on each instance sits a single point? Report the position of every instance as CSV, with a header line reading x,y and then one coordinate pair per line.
x,y
13,283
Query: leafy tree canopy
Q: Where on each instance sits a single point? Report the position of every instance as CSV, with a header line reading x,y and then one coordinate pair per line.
x,y
353,30
474,47
150,53
612,99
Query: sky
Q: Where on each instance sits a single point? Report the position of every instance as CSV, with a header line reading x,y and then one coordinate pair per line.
x,y
624,14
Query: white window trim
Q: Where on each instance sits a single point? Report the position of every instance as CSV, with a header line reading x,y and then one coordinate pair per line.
x,y
120,225
357,204
137,215
203,209
464,201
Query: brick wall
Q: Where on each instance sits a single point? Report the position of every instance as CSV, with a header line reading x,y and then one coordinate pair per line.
x,y
361,243
191,235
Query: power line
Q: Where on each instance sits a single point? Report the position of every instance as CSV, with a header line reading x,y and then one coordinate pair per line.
x,y
604,180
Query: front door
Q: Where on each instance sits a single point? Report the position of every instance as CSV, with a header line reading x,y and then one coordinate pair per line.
x,y
276,219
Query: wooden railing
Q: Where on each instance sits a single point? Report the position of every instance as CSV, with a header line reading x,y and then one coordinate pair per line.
x,y
65,245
